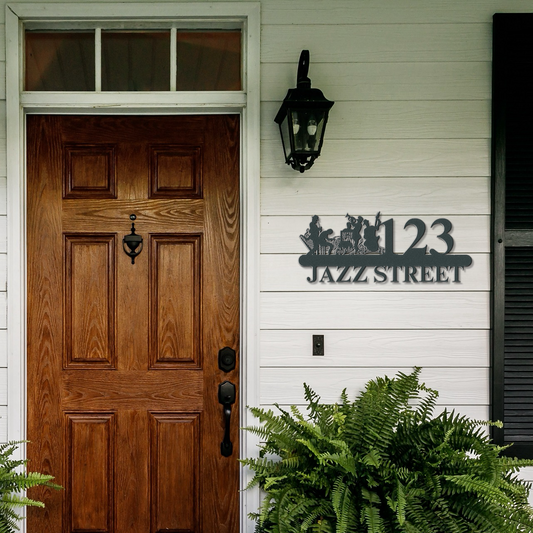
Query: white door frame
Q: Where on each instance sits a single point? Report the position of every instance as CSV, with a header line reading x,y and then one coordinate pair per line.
x,y
246,103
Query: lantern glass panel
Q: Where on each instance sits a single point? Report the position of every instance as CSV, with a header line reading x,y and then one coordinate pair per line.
x,y
285,137
308,126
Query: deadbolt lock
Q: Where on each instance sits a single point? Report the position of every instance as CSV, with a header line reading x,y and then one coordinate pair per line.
x,y
226,359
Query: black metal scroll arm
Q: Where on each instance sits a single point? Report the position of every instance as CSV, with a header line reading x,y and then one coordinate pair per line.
x,y
302,79
226,396
132,241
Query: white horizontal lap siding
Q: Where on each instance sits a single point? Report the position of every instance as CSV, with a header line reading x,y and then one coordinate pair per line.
x,y
3,92
387,11
3,281
3,122
391,347
392,196
397,120
3,234
379,43
2,40
382,81
392,157
3,381
456,386
3,260
375,310
408,136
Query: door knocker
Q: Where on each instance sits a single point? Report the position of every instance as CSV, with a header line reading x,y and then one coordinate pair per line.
x,y
132,241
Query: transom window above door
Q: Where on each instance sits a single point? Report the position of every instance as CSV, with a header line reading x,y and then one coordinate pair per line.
x,y
148,59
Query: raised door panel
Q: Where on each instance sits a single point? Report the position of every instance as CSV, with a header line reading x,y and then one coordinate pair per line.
x,y
90,442
89,171
175,171
175,266
90,300
175,472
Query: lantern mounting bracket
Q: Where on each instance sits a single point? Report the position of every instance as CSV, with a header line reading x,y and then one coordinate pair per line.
x,y
302,119
302,78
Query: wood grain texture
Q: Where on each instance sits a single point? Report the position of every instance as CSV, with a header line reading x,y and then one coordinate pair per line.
x,y
281,234
383,81
390,196
175,323
132,472
175,171
220,474
45,326
90,442
89,171
387,158
174,440
456,386
396,120
90,300
179,282
349,310
377,43
165,214
386,347
97,389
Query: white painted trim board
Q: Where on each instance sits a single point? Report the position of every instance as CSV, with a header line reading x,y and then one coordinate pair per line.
x,y
246,103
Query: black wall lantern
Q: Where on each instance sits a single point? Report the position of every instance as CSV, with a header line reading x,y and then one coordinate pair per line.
x,y
302,120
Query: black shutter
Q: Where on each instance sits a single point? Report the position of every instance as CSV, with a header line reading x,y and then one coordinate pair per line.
x,y
512,238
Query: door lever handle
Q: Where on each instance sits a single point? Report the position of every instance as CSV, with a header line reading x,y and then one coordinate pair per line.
x,y
226,396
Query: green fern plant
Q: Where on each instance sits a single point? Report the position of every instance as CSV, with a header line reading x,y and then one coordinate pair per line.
x,y
384,464
13,482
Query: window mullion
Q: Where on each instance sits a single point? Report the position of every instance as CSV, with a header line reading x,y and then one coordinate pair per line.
x,y
173,59
98,59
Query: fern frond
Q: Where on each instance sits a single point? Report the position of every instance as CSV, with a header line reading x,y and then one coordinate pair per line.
x,y
384,463
16,500
372,519
13,482
342,499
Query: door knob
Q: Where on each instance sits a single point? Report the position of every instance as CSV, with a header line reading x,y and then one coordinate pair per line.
x,y
226,396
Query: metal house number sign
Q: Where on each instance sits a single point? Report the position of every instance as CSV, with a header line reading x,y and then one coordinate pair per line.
x,y
364,252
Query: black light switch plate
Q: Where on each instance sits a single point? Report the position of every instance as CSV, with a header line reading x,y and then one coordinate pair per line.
x,y
318,344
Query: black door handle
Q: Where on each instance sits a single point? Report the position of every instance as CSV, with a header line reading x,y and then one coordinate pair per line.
x,y
226,396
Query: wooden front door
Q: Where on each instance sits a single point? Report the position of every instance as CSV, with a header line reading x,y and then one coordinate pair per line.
x,y
123,372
